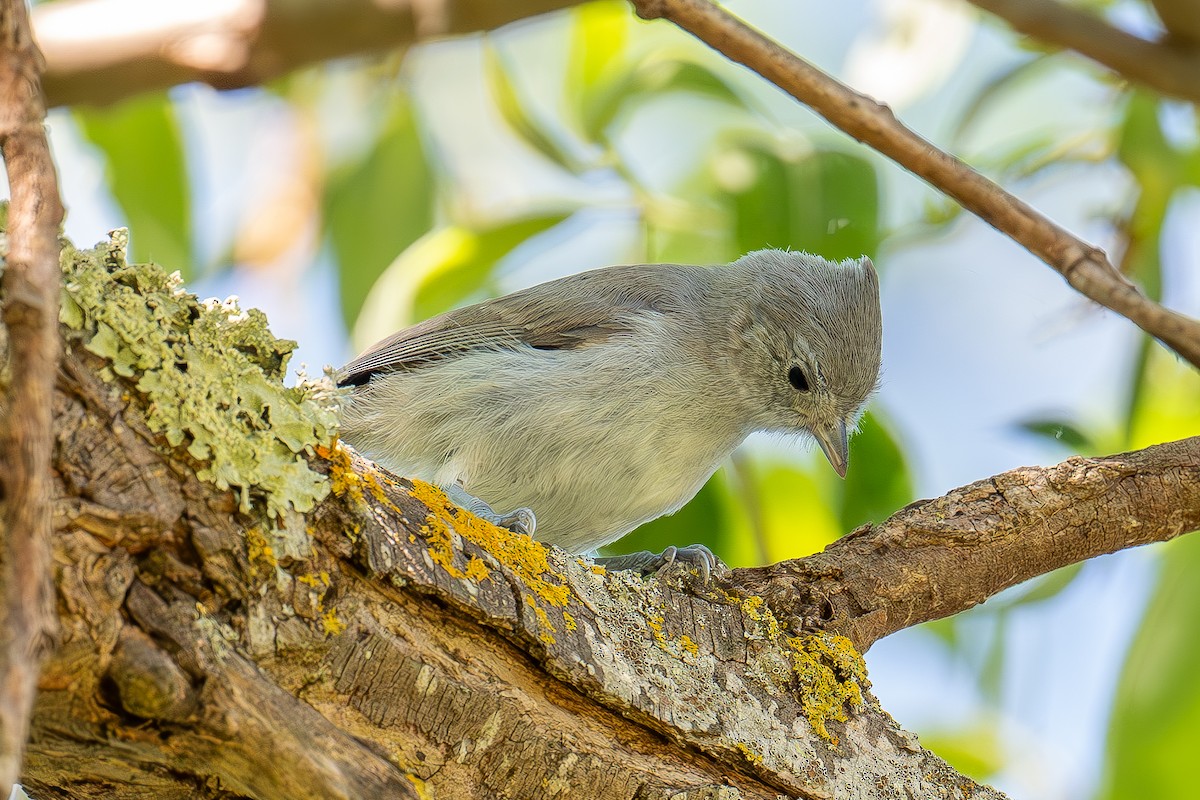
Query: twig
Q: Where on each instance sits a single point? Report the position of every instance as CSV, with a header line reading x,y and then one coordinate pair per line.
x,y
30,313
1181,20
939,557
1167,67
1085,267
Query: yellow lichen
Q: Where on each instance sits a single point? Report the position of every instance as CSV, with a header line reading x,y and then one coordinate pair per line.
x,y
476,570
546,628
830,674
420,786
331,624
345,481
655,624
318,581
749,754
756,609
517,551
595,569
689,646
258,549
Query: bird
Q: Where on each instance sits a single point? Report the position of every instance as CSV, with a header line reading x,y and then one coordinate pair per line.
x,y
586,406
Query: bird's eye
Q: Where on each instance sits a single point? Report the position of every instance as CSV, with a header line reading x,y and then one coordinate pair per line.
x,y
797,378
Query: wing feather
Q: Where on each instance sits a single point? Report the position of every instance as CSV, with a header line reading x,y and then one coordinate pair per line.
x,y
576,311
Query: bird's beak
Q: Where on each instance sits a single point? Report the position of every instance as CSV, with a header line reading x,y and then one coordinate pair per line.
x,y
835,444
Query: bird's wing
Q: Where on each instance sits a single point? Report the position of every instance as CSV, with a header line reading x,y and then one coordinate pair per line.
x,y
568,313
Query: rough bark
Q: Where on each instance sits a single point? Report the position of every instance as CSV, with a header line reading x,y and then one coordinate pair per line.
x,y
384,643
102,51
939,557
29,289
387,644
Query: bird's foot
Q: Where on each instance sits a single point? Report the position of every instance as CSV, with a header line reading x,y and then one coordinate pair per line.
x,y
520,520
693,555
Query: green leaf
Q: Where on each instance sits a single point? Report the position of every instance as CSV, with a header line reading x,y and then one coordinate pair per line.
x,y
147,174
377,206
599,36
1143,147
466,271
443,269
1060,432
1167,404
878,481
508,103
975,750
797,513
1009,79
653,77
823,201
1046,587
1156,713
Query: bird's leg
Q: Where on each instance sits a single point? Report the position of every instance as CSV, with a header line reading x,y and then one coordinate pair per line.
x,y
696,555
520,520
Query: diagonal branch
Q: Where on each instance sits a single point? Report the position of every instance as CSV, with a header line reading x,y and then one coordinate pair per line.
x,y
30,316
1168,67
938,557
1084,266
1181,20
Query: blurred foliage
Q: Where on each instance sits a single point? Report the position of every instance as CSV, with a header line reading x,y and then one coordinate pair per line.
x,y
147,174
409,242
1156,713
378,205
975,749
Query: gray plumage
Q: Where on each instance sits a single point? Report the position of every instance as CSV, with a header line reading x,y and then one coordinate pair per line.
x,y
605,399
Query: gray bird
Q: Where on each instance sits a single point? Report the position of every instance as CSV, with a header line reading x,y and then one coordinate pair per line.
x,y
606,399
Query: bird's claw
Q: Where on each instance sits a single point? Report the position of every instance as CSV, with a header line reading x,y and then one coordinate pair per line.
x,y
520,520
693,555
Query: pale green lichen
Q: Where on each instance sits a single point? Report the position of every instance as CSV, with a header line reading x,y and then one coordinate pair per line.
x,y
211,373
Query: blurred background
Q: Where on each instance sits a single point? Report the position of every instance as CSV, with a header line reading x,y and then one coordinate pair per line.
x,y
354,197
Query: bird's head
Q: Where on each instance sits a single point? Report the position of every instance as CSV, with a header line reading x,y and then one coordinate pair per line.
x,y
811,337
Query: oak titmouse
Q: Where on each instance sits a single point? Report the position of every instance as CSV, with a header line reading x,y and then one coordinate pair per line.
x,y
605,399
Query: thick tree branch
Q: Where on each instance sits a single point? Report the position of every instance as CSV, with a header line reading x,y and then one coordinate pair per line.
x,y
938,557
383,637
30,314
101,51
1171,67
1085,267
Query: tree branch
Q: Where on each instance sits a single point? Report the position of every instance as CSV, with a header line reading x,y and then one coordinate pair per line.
x,y
1181,20
938,557
1085,267
101,51
1170,67
384,634
30,315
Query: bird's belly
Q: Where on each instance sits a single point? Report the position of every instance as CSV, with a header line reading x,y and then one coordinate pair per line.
x,y
591,466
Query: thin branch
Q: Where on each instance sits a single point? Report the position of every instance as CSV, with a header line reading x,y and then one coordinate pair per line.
x,y
1084,266
101,51
1167,67
30,313
1181,20
939,557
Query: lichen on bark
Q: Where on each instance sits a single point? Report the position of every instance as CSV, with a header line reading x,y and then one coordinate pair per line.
x,y
212,375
